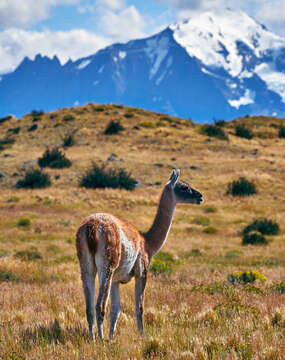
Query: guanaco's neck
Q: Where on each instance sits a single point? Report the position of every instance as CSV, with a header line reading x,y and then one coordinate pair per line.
x,y
157,234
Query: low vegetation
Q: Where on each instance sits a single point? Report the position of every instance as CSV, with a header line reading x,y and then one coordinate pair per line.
x,y
113,128
103,177
245,277
34,179
54,158
264,226
241,187
243,132
214,131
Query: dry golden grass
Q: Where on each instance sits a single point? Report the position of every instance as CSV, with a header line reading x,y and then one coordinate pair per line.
x,y
191,313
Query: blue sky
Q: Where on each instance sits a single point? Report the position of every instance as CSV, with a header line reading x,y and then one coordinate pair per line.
x,y
77,28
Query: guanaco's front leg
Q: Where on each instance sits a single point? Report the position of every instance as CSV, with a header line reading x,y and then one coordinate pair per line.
x,y
140,283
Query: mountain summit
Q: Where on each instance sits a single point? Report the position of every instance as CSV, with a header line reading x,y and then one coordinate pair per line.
x,y
214,65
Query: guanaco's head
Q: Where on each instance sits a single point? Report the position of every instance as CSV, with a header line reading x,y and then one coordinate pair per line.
x,y
181,191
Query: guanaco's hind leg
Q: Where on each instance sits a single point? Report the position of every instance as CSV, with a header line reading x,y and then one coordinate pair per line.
x,y
115,308
88,274
105,281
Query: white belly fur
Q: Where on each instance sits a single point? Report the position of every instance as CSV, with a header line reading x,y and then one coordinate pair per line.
x,y
128,258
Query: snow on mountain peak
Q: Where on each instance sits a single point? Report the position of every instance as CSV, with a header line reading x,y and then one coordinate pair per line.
x,y
213,37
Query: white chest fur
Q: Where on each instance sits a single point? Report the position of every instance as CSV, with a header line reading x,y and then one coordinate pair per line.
x,y
128,258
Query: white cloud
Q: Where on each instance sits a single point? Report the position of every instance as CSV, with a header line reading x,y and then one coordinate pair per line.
x,y
21,13
119,25
15,44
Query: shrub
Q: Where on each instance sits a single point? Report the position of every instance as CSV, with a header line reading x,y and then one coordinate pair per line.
x,y
193,252
5,118
233,254
114,127
37,112
220,123
214,131
281,133
254,238
241,187
100,177
129,115
15,130
7,276
243,132
279,287
24,222
33,128
264,226
68,117
34,179
149,124
68,141
54,158
210,209
210,230
160,267
31,254
201,220
245,277
99,109
4,143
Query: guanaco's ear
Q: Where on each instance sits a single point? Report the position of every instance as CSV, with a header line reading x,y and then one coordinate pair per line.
x,y
174,177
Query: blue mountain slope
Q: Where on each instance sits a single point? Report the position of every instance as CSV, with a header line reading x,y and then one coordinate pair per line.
x,y
186,70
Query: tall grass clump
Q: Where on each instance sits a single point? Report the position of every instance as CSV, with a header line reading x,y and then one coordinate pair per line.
x,y
243,132
114,127
214,131
54,158
100,177
34,179
241,187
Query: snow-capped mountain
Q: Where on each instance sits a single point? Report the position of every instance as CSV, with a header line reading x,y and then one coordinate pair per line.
x,y
215,65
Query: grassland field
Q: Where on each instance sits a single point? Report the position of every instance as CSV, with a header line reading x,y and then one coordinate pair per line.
x,y
192,311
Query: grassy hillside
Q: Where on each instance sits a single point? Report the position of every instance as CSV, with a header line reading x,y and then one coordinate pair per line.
x,y
192,310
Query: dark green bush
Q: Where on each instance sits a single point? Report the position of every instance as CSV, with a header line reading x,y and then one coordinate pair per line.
x,y
37,112
114,127
5,118
214,131
100,177
24,222
54,158
34,179
68,117
254,238
243,132
129,115
264,226
281,133
68,141
241,187
220,123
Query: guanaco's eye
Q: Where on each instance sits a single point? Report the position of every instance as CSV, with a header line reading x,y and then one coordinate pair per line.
x,y
184,188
